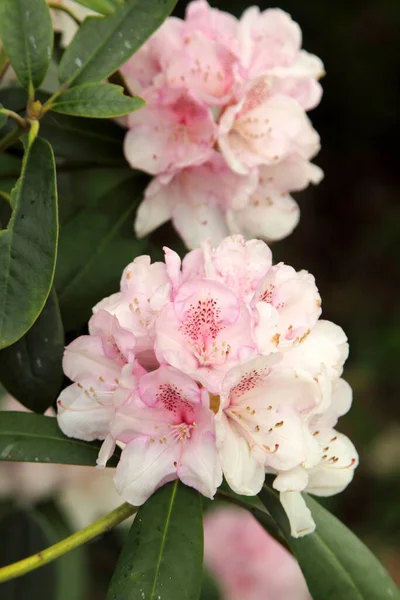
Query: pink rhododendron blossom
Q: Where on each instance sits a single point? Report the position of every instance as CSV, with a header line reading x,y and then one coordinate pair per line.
x,y
173,131
225,128
216,364
247,563
167,427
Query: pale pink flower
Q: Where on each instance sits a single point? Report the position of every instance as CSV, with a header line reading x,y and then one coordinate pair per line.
x,y
238,264
204,331
169,433
331,474
145,289
173,131
195,199
325,345
94,363
242,88
265,129
270,44
260,422
287,306
216,25
243,378
147,65
247,563
270,213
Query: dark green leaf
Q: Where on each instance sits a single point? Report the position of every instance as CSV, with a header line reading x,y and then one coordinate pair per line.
x,y
10,170
28,247
86,140
30,437
31,369
105,7
72,568
163,552
3,117
95,246
96,100
27,35
23,533
103,44
209,587
335,563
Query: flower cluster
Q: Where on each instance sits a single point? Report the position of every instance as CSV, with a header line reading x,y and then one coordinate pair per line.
x,y
215,366
225,130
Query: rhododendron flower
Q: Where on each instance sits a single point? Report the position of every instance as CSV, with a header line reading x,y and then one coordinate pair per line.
x,y
234,89
216,364
167,427
247,563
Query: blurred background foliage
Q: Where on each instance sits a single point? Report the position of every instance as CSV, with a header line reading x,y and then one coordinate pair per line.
x,y
348,237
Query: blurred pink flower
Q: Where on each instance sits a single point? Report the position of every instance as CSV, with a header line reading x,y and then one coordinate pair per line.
x,y
247,563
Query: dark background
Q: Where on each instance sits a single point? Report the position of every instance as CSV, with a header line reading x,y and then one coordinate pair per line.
x,y
349,235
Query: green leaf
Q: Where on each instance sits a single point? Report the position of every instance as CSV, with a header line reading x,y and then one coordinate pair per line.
x,y
105,7
95,141
86,140
103,44
28,247
31,369
335,563
96,100
27,35
96,243
23,533
163,552
28,437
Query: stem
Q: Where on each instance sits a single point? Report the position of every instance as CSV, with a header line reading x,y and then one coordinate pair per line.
x,y
13,115
70,543
65,9
11,137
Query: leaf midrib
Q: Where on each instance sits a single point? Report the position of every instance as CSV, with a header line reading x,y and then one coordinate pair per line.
x,y
164,537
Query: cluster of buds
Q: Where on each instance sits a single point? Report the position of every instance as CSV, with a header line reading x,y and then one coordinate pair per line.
x,y
225,130
215,366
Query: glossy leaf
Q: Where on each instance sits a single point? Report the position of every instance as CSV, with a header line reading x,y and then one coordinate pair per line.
x,y
23,533
103,44
95,246
28,246
29,437
335,563
105,7
96,100
163,552
27,34
31,369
